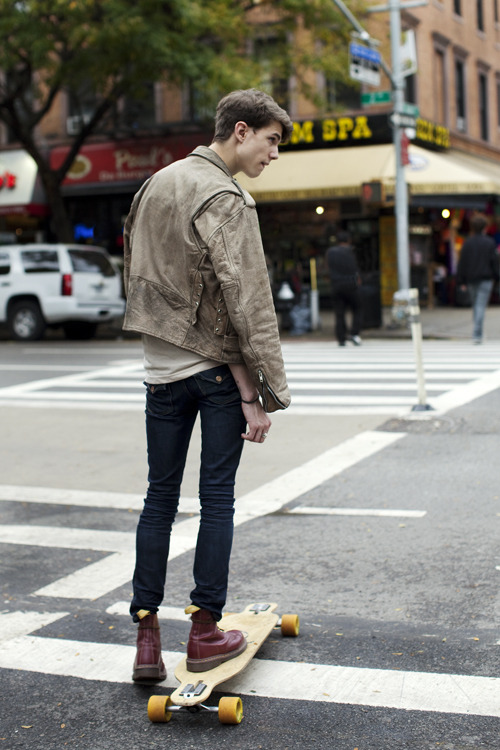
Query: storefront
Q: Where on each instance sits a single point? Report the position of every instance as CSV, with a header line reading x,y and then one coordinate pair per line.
x,y
340,173
104,177
23,208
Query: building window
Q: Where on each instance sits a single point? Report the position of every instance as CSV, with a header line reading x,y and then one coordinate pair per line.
x,y
440,82
82,103
410,83
460,100
270,52
140,113
457,7
498,102
495,10
483,106
480,15
341,96
460,94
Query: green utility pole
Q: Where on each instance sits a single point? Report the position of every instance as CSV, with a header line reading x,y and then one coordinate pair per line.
x,y
399,119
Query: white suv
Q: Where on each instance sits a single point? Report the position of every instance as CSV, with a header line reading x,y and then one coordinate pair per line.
x,y
73,286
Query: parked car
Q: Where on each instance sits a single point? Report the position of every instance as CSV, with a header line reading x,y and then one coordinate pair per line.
x,y
73,286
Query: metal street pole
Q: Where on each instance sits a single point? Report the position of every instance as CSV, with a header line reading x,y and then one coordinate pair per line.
x,y
401,192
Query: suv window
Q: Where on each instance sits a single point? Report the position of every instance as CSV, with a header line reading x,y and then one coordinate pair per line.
x,y
4,263
40,261
90,261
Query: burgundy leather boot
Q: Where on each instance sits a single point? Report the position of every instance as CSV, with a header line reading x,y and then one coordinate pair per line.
x,y
208,646
148,664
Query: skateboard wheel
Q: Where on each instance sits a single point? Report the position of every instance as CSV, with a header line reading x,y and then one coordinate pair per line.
x,y
230,710
157,709
290,625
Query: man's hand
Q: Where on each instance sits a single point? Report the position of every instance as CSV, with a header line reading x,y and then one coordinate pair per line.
x,y
258,422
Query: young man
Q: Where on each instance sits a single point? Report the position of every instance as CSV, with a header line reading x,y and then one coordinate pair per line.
x,y
478,271
198,292
345,281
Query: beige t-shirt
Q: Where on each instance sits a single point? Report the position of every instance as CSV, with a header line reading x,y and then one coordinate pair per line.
x,y
166,363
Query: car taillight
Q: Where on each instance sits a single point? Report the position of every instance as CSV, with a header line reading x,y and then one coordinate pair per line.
x,y
67,285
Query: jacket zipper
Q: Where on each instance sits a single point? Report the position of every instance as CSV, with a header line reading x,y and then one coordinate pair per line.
x,y
265,385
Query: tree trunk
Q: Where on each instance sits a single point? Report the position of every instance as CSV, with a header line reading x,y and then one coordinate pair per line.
x,y
60,222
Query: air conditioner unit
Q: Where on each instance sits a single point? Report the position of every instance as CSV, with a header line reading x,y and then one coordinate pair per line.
x,y
461,124
75,122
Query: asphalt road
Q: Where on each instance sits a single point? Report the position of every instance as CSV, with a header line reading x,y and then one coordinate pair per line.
x,y
380,529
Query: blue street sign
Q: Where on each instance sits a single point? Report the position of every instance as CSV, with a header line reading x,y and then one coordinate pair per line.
x,y
364,64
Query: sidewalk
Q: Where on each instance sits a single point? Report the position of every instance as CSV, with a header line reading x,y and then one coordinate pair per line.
x,y
438,323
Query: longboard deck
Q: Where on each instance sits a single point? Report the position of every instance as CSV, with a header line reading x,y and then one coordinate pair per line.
x,y
195,687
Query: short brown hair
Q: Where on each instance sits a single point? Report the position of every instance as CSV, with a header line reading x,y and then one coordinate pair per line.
x,y
478,223
252,106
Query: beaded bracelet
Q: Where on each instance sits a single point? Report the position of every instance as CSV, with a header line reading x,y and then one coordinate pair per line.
x,y
253,401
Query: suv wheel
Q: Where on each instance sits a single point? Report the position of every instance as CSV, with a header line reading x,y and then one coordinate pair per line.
x,y
80,330
25,321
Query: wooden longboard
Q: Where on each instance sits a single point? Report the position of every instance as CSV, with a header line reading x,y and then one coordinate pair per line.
x,y
256,622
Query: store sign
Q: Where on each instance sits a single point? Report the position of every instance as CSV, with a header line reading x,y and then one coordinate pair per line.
x,y
360,130
126,162
429,132
331,129
8,180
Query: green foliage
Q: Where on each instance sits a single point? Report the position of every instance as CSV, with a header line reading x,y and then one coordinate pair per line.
x,y
114,47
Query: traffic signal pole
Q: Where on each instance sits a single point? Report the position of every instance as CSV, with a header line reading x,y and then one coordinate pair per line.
x,y
397,82
401,188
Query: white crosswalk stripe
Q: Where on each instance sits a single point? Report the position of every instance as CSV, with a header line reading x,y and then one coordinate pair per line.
x,y
376,378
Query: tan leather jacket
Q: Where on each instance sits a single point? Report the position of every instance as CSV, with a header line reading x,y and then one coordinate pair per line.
x,y
195,272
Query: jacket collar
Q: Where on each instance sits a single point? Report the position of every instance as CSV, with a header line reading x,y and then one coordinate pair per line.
x,y
210,155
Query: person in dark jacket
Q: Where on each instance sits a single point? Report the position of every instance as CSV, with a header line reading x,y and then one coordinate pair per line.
x,y
478,271
345,281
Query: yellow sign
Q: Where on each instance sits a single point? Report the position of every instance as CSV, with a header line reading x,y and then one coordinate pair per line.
x,y
427,131
332,129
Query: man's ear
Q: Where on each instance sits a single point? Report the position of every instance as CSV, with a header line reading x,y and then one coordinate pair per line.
x,y
240,130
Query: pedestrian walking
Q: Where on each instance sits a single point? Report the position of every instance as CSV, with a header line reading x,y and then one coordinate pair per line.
x,y
345,282
198,292
477,271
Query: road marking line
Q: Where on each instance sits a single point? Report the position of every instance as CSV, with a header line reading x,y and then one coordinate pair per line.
x,y
464,394
368,385
164,613
84,498
97,579
410,691
275,494
382,512
18,624
67,538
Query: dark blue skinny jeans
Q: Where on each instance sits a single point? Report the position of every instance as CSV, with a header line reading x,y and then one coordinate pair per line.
x,y
171,411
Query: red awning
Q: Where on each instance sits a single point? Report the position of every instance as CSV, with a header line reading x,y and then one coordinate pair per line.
x,y
123,163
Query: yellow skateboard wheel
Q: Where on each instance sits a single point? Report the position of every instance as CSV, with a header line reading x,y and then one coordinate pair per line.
x,y
290,625
230,710
158,709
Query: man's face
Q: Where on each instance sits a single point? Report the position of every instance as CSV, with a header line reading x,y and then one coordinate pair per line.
x,y
258,148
